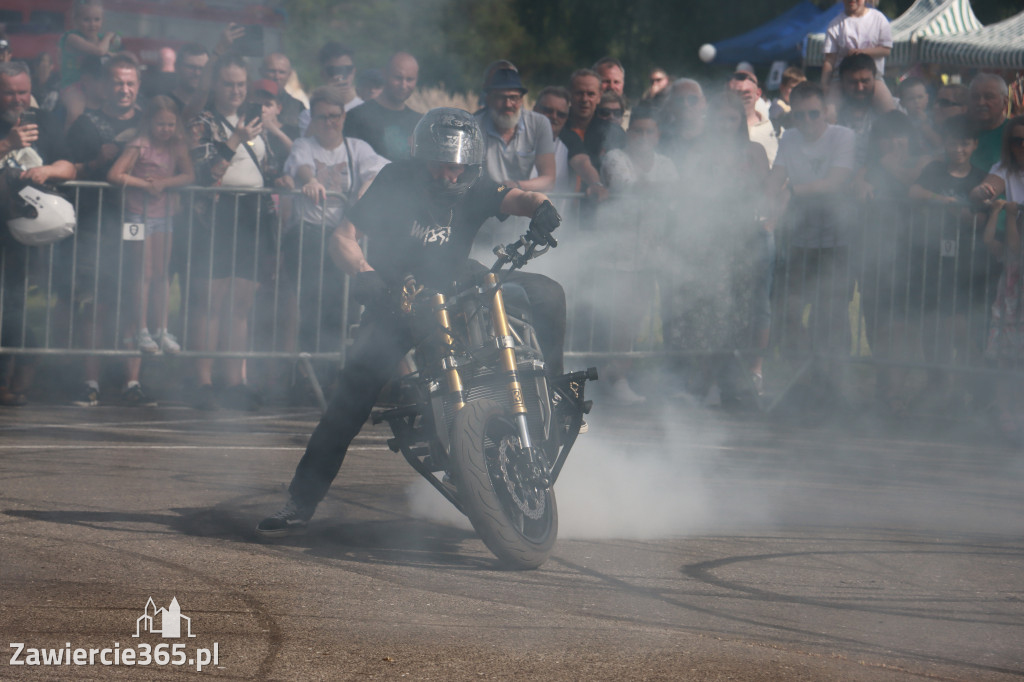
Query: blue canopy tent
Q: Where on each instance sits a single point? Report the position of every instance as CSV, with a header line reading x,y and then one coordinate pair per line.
x,y
779,39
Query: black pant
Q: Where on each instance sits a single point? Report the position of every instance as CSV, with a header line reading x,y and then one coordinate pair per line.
x,y
382,341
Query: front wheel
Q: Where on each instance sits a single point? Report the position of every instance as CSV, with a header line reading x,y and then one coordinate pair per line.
x,y
516,520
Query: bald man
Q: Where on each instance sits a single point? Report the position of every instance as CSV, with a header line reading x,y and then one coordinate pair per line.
x,y
278,68
387,122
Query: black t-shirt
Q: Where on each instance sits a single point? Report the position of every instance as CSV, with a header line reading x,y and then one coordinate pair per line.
x,y
600,137
935,178
386,130
91,131
412,233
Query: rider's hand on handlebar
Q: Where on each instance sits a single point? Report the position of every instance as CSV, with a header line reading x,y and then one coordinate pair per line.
x,y
545,220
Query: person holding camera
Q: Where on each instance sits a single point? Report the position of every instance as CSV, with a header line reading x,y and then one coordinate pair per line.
x,y
231,232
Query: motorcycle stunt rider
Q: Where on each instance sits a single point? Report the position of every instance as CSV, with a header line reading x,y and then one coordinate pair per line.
x,y
421,216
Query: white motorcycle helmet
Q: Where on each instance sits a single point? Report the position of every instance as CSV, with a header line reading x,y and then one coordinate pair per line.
x,y
40,216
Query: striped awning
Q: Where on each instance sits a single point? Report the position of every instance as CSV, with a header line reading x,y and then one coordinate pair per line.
x,y
924,18
996,46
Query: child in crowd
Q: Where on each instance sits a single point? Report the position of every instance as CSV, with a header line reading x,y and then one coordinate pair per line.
x,y
861,29
86,38
155,161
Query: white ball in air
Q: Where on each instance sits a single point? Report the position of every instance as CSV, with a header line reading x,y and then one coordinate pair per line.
x,y
706,52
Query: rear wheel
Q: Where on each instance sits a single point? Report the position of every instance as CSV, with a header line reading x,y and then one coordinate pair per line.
x,y
517,521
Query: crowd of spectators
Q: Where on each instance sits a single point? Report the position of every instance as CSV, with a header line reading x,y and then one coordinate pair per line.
x,y
705,207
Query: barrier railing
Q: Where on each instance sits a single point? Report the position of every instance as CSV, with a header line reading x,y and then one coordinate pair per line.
x,y
906,284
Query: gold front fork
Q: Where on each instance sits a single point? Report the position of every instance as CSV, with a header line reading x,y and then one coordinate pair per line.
x,y
506,351
449,363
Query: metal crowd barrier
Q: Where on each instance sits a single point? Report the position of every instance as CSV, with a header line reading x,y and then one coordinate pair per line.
x,y
910,284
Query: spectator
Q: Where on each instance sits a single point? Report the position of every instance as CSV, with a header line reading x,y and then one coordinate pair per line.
x,y
1007,176
155,161
611,73
638,179
950,101
95,140
386,122
488,74
759,126
861,30
611,108
38,147
230,236
278,69
682,120
266,94
915,102
369,84
516,141
717,298
337,69
856,109
657,93
597,136
812,175
554,102
86,38
988,96
893,165
333,172
949,295
45,82
778,112
1006,331
189,64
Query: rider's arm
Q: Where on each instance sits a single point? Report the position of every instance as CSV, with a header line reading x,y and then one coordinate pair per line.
x,y
518,202
345,250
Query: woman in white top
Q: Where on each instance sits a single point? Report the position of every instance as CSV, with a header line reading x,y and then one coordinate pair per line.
x,y
229,230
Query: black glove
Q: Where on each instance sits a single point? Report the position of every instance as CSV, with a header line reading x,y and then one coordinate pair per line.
x,y
370,290
545,220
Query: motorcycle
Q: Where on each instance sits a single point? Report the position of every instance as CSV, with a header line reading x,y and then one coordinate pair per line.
x,y
480,420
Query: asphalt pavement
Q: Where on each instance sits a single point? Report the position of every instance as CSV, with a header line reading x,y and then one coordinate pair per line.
x,y
693,546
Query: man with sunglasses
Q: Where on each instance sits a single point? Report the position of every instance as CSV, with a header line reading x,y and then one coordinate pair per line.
x,y
387,122
810,180
554,102
759,125
338,70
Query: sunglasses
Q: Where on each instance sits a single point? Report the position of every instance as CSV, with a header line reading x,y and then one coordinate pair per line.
x,y
343,71
551,111
329,118
605,112
744,76
944,103
1017,142
812,115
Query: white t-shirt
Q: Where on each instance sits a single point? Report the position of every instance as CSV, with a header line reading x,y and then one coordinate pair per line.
x,y
809,161
764,134
1014,182
846,34
242,172
821,225
332,168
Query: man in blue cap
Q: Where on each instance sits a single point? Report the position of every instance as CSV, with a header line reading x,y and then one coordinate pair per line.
x,y
517,140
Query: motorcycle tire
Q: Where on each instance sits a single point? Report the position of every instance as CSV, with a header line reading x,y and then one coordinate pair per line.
x,y
519,526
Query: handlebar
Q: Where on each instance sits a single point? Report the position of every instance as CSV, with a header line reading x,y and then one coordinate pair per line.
x,y
509,253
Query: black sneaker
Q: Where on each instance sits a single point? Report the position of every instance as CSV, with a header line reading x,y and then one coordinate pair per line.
x,y
241,397
204,399
134,396
292,518
87,396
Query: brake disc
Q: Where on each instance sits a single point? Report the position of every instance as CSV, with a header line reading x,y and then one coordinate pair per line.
x,y
520,497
